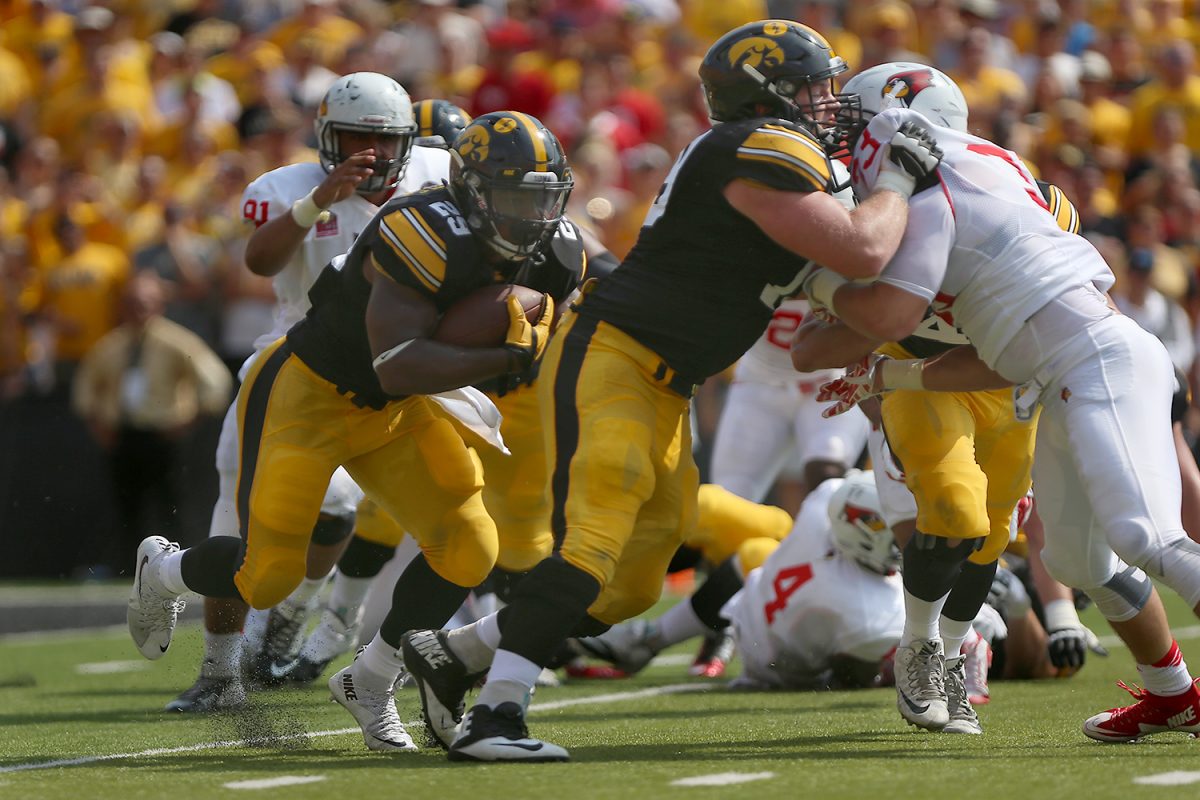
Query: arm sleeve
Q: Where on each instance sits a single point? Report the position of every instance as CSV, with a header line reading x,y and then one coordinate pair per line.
x,y
920,264
784,158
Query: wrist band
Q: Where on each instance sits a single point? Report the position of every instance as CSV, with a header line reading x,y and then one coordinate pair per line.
x,y
306,212
1060,614
895,180
902,373
823,285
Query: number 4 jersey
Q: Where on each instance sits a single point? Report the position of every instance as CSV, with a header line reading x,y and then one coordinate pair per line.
x,y
807,603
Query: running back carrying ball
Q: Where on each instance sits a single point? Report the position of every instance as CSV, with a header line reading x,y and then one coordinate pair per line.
x,y
481,318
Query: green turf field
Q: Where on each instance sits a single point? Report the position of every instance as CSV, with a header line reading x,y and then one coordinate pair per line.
x,y
64,701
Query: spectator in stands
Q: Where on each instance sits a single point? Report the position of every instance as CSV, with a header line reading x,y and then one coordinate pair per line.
x,y
1175,85
139,390
1148,307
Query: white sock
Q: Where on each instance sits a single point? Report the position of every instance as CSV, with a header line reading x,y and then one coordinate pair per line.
x,y
348,594
921,618
679,624
510,680
476,643
954,633
170,573
303,594
221,654
380,665
1167,677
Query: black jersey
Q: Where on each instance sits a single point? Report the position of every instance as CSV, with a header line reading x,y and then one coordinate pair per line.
x,y
420,241
702,282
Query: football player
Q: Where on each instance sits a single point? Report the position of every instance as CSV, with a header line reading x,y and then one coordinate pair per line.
x,y
303,216
377,542
1032,300
360,383
730,235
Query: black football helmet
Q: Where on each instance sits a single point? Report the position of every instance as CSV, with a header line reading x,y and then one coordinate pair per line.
x,y
760,69
510,178
439,122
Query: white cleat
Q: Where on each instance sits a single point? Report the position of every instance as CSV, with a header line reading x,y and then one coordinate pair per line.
x,y
979,658
963,718
624,646
920,690
375,712
499,734
152,611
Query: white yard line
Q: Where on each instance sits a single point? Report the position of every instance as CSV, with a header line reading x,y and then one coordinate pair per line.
x,y
1186,632
1169,779
723,779
110,667
161,751
271,783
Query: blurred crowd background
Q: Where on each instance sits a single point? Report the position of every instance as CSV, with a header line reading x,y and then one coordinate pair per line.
x,y
128,130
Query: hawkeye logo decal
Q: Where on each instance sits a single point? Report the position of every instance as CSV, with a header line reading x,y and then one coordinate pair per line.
x,y
473,143
757,51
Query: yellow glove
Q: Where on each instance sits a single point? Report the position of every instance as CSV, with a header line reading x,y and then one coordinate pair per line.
x,y
525,342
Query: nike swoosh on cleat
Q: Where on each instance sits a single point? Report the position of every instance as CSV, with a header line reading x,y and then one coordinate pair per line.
x,y
276,672
140,571
533,748
163,647
916,709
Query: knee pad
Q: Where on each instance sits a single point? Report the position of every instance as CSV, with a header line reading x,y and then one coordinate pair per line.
x,y
267,578
1177,564
949,506
754,553
332,530
468,551
1123,595
375,525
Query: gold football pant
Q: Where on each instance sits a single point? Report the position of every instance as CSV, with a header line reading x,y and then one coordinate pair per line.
x,y
296,429
623,483
724,521
514,490
966,459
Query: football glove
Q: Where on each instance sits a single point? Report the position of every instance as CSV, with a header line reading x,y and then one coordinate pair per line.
x,y
849,390
1069,641
912,161
526,341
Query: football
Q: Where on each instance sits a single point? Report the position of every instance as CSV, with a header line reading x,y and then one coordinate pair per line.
x,y
481,318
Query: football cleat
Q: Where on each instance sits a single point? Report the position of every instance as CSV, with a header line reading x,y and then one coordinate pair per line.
x,y
978,655
963,718
281,642
1151,714
209,694
499,734
582,670
920,690
624,646
714,655
330,639
152,610
375,712
443,681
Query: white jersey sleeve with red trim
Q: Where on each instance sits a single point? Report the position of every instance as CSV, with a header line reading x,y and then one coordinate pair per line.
x,y
1005,256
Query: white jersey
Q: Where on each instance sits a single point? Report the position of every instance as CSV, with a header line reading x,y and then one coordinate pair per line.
x,y
808,603
271,195
981,247
769,360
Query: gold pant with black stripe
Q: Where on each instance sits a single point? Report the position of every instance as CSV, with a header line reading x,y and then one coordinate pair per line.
x,y
623,483
966,459
296,429
725,521
514,491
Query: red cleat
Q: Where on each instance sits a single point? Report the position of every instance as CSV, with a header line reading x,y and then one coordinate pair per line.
x,y
1151,714
595,672
715,654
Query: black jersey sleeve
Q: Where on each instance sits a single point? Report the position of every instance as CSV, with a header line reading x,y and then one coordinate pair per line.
x,y
410,247
784,157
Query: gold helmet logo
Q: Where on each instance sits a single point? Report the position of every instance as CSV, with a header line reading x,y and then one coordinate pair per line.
x,y
505,125
473,142
757,51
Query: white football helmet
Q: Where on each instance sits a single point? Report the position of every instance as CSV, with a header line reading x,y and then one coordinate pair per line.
x,y
366,102
905,84
859,532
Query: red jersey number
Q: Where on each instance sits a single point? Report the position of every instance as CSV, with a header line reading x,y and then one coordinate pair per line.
x,y
999,152
786,583
783,325
256,212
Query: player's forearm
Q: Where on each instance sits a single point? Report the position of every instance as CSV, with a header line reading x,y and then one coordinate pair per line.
x,y
879,225
427,367
272,246
960,370
820,345
878,311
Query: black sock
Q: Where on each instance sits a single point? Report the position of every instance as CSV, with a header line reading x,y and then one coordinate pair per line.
x,y
720,585
421,599
930,572
209,567
970,591
546,608
364,559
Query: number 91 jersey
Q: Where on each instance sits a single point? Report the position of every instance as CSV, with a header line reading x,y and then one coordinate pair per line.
x,y
807,604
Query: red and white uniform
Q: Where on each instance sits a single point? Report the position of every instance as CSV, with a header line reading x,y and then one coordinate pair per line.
x,y
771,423
271,196
808,603
1030,296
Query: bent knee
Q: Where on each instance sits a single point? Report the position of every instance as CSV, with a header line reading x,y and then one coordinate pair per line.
x,y
952,508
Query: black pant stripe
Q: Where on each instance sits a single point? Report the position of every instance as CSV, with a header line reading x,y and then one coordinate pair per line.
x,y
252,429
566,421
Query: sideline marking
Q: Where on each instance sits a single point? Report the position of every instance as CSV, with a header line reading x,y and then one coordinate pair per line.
x,y
1176,778
109,667
271,783
723,779
163,751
